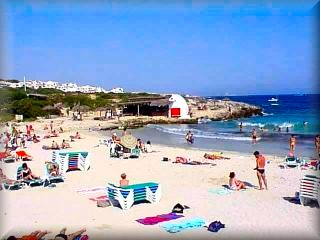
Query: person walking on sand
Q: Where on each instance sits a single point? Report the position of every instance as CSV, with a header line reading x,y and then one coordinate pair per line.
x,y
254,136
51,126
261,162
292,143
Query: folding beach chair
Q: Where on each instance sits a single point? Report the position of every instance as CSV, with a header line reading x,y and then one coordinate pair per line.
x,y
51,179
292,162
135,153
310,187
30,183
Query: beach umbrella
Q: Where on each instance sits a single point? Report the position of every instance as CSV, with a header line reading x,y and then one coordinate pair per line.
x,y
128,141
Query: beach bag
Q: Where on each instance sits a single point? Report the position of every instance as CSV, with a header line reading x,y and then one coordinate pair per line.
x,y
103,203
178,208
215,226
165,159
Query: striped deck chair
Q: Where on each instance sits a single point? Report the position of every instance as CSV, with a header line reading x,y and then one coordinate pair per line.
x,y
310,187
135,153
69,161
30,183
127,196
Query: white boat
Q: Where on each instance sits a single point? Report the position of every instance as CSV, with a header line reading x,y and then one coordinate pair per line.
x,y
273,100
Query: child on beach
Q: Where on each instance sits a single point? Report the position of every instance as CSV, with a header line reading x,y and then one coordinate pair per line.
x,y
234,183
123,181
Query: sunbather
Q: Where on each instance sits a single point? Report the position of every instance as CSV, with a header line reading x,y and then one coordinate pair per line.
x,y
62,235
35,138
234,183
36,235
77,136
5,179
27,173
54,145
65,144
53,169
124,181
148,147
214,156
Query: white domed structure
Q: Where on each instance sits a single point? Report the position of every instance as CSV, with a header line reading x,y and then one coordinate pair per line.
x,y
178,107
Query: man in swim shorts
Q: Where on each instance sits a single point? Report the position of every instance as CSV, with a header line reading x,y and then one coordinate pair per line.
x,y
261,162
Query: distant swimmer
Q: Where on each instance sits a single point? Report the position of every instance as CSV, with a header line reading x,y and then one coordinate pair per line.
x,y
292,143
240,126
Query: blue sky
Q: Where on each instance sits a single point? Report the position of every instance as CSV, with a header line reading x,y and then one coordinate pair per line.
x,y
195,47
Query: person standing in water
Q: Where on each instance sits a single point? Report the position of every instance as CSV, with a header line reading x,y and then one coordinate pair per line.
x,y
317,143
189,137
254,136
261,162
240,126
292,143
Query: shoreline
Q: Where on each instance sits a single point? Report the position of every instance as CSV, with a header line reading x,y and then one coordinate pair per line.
x,y
185,184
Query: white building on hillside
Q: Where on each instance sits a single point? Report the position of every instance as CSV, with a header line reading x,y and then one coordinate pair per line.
x,y
87,89
117,90
50,84
68,87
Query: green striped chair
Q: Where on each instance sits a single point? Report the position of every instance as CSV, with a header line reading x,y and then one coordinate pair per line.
x,y
127,196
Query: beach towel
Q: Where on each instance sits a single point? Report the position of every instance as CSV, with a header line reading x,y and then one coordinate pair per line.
x,y
103,197
220,191
159,218
91,190
188,224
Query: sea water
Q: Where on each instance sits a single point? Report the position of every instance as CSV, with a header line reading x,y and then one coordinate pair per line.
x,y
295,114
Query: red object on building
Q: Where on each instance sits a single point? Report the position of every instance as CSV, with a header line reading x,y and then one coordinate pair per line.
x,y
175,112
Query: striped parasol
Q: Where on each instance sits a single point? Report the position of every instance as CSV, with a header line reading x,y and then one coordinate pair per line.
x,y
128,141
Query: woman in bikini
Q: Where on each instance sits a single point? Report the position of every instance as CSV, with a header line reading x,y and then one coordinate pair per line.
x,y
234,183
27,173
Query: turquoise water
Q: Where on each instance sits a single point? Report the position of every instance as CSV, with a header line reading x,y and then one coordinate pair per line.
x,y
289,116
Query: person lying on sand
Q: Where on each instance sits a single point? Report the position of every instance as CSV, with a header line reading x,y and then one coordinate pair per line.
x,y
62,235
36,235
234,183
124,181
214,156
27,173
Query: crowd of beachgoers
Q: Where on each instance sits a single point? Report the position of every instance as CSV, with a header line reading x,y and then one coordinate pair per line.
x,y
30,146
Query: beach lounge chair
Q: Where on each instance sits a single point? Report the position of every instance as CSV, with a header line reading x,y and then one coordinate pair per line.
x,y
6,157
30,183
51,179
310,187
292,162
23,156
127,196
135,153
69,161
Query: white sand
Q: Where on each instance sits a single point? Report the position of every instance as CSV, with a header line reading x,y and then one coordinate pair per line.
x,y
252,214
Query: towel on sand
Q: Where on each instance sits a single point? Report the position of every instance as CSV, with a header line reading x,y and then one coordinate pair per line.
x,y
159,218
187,224
220,191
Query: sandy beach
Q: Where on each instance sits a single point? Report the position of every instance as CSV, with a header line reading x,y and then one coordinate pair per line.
x,y
250,214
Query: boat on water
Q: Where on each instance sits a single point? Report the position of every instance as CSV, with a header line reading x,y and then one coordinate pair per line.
x,y
273,100
274,104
